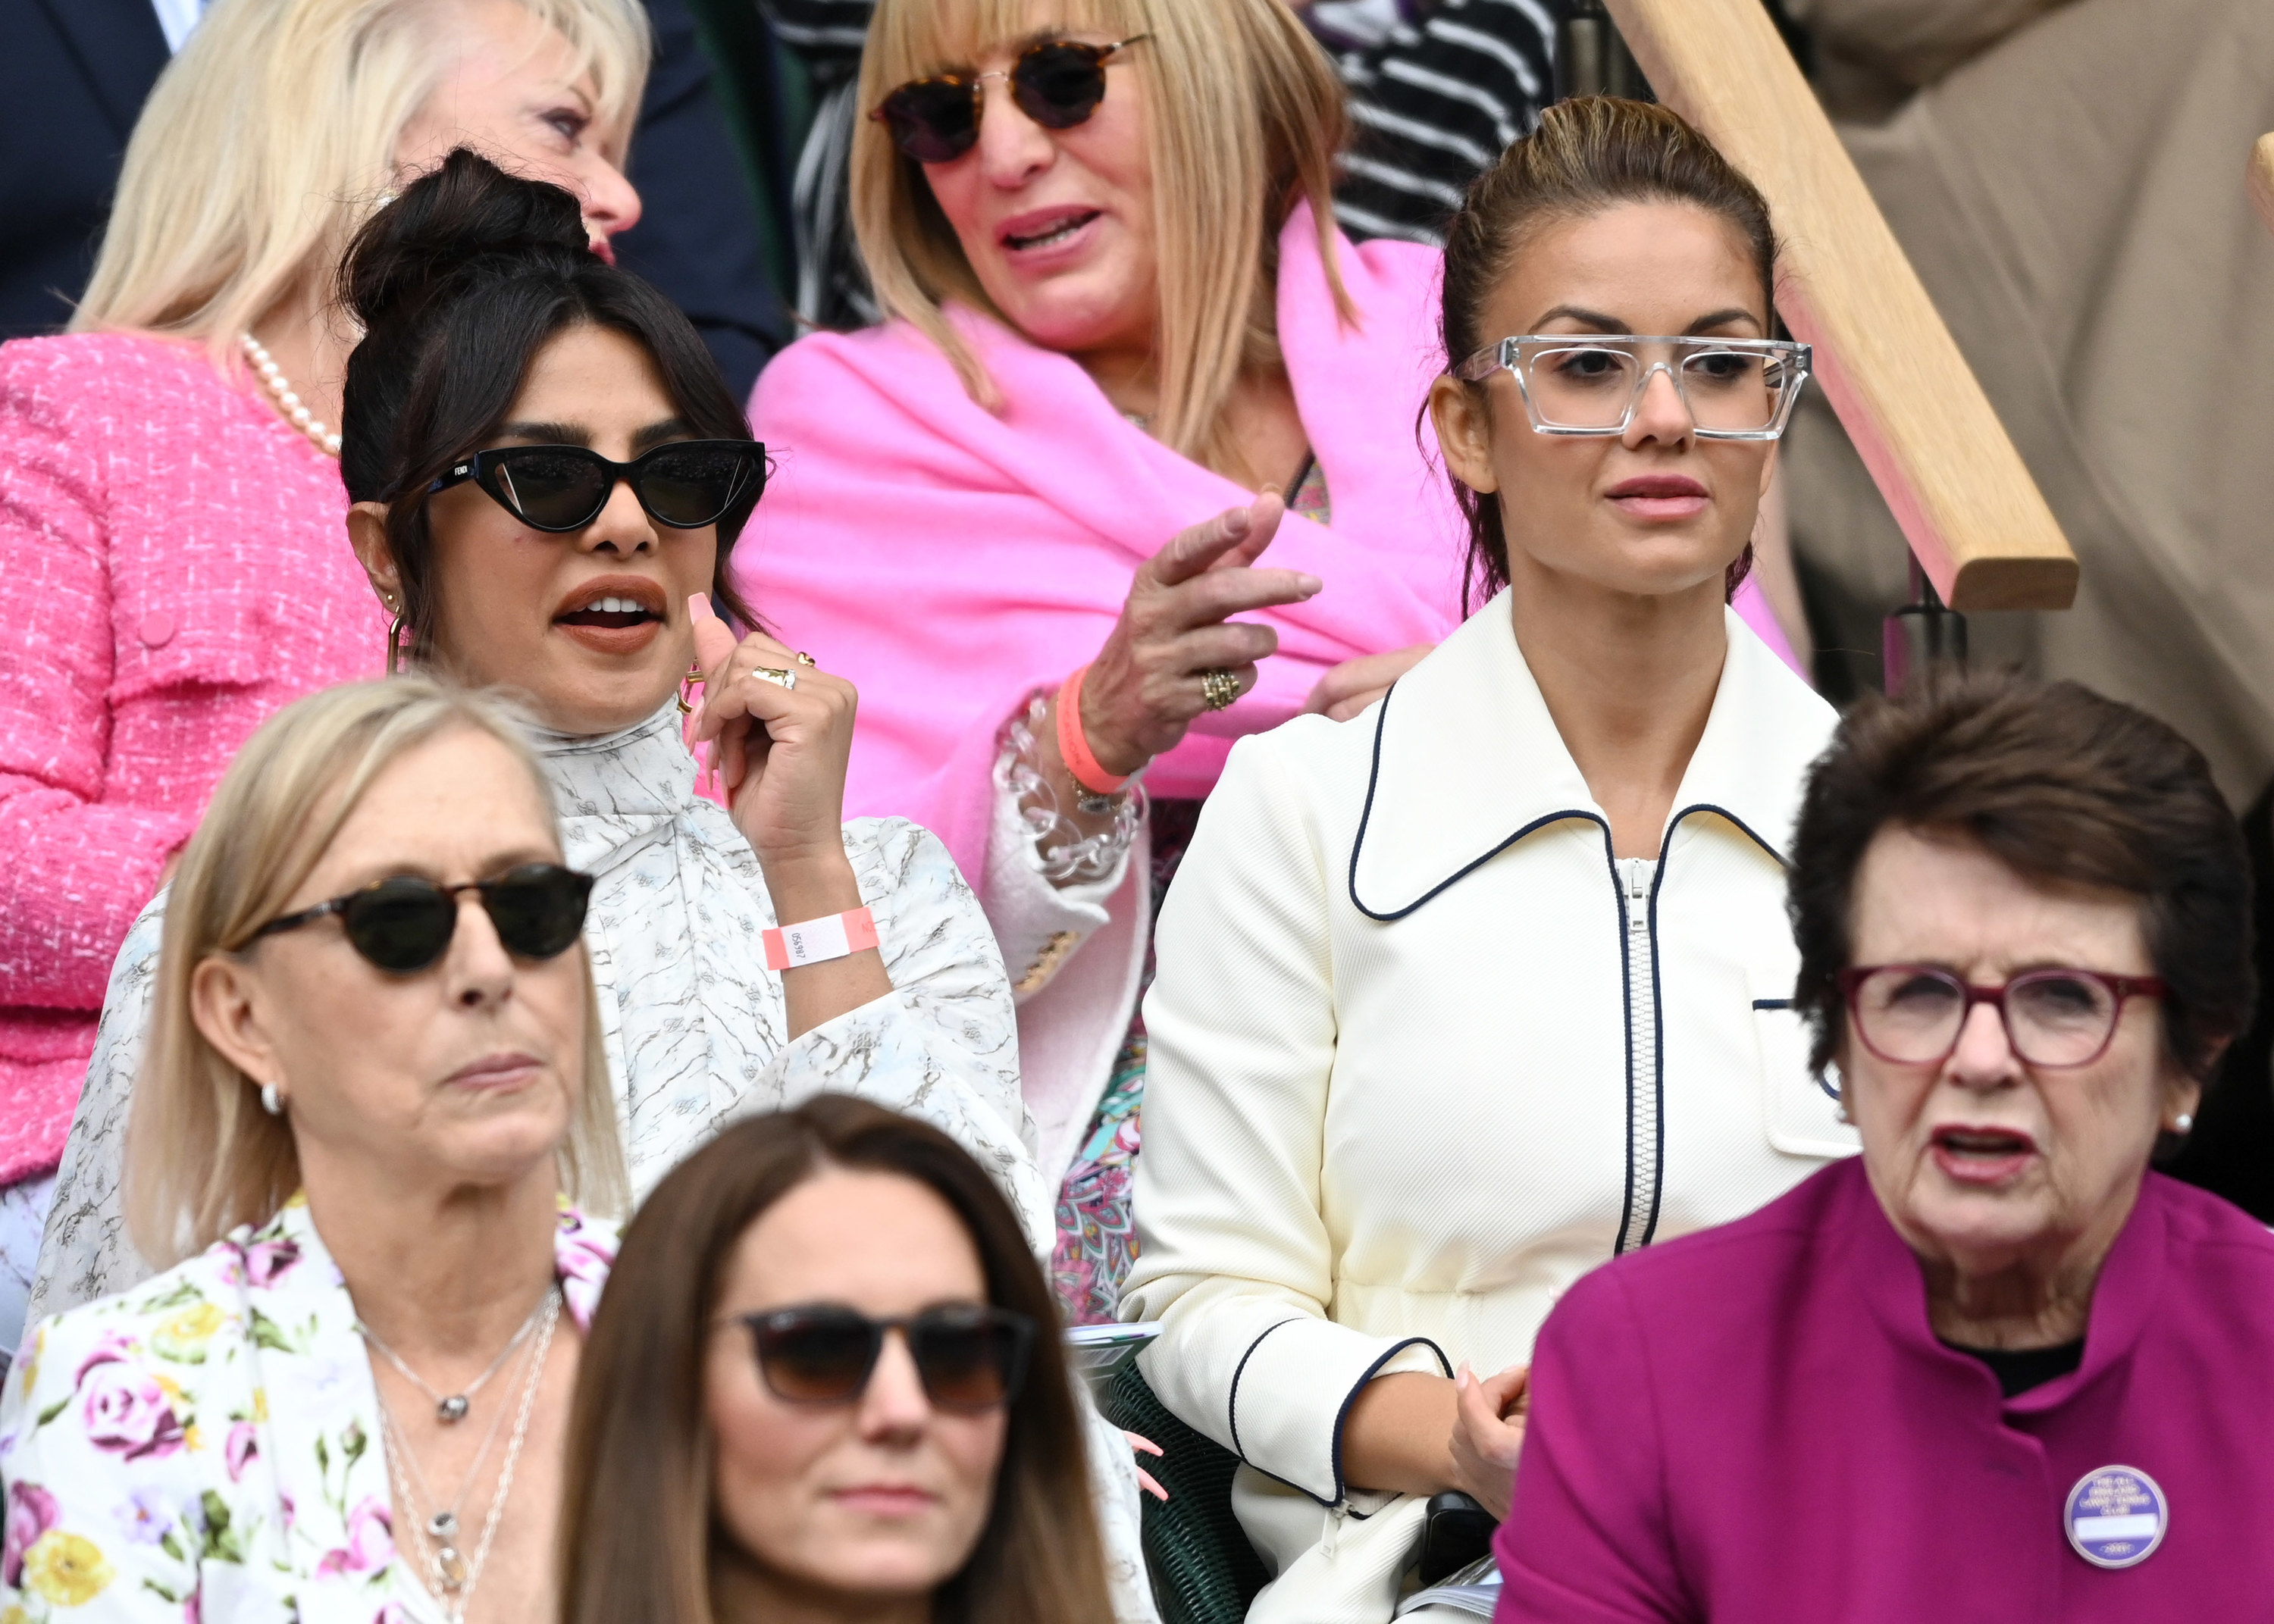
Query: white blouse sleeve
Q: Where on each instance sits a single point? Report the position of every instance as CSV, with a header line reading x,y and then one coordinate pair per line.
x,y
1235,1258
84,1253
1040,926
943,1045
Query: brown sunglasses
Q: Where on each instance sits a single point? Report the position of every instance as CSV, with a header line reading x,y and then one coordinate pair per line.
x,y
1058,84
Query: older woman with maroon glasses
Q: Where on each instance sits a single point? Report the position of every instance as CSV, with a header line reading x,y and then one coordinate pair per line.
x,y
1993,1365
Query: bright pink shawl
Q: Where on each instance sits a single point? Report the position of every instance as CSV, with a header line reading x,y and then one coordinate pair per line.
x,y
949,559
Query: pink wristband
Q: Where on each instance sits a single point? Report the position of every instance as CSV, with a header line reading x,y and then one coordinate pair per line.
x,y
818,940
1074,746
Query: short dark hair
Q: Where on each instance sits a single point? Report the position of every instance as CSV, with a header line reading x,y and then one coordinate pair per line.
x,y
637,1522
2058,784
458,283
1588,155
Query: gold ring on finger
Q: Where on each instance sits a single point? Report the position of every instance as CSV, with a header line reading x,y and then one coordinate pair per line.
x,y
803,659
776,675
1218,688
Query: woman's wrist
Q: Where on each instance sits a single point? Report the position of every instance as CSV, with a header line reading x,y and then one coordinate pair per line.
x,y
808,885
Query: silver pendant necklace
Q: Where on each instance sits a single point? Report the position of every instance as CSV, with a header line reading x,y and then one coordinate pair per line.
x,y
449,1573
450,1408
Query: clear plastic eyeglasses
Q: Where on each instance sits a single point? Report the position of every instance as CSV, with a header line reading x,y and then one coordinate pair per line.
x,y
1589,383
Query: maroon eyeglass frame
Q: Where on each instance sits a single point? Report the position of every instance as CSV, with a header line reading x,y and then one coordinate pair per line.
x,y
2121,987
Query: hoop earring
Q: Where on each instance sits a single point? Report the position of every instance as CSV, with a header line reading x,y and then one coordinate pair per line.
x,y
694,679
394,646
271,1102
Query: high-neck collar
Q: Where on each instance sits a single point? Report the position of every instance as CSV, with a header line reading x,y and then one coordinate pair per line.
x,y
617,791
1892,1281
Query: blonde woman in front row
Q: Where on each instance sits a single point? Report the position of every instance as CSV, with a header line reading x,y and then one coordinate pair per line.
x,y
364,1115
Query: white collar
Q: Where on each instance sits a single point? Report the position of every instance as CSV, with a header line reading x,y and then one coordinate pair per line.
x,y
1467,761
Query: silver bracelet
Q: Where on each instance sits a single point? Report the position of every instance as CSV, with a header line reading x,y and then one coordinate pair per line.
x,y
1069,857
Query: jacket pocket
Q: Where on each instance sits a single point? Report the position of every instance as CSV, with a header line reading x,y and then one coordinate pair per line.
x,y
1803,1114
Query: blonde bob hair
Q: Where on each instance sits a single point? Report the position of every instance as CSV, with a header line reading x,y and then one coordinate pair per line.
x,y
1245,118
202,1157
272,137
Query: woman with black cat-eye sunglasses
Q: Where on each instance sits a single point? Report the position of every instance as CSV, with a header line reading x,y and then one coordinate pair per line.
x,y
584,615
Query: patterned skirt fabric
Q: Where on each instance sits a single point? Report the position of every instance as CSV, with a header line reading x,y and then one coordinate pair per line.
x,y
1097,1240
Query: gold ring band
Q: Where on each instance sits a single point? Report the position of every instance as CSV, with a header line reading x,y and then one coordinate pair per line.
x,y
803,659
776,675
1218,688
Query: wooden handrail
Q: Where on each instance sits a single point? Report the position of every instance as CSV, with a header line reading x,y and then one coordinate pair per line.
x,y
1974,518
2261,178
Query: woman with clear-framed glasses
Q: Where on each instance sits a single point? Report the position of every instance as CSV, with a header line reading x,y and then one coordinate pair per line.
x,y
1464,998
2023,914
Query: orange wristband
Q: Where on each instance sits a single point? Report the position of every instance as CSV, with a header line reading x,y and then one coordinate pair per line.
x,y
1074,747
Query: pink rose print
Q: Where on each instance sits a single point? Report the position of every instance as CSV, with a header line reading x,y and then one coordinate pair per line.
x,y
583,1260
191,1613
32,1512
371,1541
242,1445
109,1348
125,1412
266,1262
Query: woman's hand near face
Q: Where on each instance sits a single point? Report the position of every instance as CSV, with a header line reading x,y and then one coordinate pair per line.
x,y
1143,689
1351,687
781,754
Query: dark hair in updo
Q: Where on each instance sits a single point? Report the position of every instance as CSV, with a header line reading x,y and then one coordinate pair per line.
x,y
1590,153
458,283
2063,786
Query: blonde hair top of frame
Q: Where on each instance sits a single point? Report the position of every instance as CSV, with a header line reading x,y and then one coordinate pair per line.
x,y
1245,119
202,1157
272,137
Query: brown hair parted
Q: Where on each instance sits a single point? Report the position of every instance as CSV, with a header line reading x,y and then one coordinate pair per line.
x,y
1588,155
458,283
2061,786
636,1523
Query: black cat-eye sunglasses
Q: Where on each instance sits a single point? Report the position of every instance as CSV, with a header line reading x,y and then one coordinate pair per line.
x,y
686,484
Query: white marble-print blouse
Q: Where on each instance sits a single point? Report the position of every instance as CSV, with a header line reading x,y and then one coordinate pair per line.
x,y
208,1447
695,1022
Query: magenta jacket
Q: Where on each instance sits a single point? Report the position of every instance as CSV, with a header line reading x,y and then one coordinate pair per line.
x,y
177,569
1754,1424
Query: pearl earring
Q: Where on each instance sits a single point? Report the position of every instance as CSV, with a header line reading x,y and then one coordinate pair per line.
x,y
2183,1124
271,1102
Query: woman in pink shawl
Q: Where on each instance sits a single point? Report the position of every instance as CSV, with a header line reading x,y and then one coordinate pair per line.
x,y
1021,514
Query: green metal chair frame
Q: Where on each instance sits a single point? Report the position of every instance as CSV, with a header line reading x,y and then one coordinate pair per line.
x,y
1204,1571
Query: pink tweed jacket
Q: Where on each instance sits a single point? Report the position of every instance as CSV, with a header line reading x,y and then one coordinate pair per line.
x,y
177,569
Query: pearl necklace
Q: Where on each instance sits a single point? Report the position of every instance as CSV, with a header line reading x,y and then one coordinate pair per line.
x,y
280,389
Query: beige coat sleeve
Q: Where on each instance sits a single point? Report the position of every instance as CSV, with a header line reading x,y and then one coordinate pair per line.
x,y
1914,41
1235,1258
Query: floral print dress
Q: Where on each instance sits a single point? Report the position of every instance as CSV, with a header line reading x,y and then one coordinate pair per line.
x,y
206,1448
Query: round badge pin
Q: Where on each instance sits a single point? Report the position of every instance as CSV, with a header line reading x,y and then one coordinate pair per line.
x,y
2116,1516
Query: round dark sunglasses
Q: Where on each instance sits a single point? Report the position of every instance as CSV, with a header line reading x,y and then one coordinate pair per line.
x,y
686,484
969,1358
1058,84
405,923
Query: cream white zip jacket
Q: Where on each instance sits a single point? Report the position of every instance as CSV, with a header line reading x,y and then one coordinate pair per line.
x,y
1406,1081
